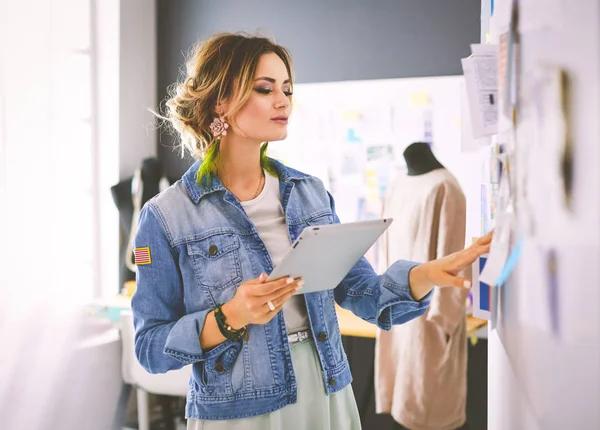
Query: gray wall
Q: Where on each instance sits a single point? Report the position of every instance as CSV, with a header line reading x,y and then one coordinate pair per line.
x,y
330,40
137,83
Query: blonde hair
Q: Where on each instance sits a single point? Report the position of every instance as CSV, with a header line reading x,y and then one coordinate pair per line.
x,y
219,69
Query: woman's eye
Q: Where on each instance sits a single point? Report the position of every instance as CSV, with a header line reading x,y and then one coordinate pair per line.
x,y
263,90
288,93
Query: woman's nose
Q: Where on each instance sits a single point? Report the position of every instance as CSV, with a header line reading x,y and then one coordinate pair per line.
x,y
282,101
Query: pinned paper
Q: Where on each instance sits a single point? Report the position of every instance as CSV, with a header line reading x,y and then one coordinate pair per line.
x,y
499,249
511,262
481,78
550,165
468,143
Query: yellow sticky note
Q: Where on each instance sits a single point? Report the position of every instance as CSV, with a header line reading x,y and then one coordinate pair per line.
x,y
420,98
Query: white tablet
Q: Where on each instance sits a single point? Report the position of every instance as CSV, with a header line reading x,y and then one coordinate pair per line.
x,y
323,255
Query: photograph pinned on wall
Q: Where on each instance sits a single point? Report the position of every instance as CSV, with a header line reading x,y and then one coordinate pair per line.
x,y
495,163
489,206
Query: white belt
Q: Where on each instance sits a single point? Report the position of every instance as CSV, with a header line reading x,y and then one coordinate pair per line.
x,y
299,336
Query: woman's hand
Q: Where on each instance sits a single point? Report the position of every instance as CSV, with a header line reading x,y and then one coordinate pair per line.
x,y
250,305
445,271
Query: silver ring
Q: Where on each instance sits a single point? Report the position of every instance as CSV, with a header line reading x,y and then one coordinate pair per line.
x,y
271,305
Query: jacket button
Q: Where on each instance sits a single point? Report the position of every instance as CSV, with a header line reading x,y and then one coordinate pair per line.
x,y
331,382
322,337
219,367
212,250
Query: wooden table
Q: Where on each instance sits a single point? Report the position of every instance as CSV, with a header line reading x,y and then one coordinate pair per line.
x,y
351,325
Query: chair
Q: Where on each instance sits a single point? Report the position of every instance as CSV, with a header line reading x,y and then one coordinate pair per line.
x,y
173,383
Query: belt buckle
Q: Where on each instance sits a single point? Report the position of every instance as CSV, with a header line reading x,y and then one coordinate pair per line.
x,y
303,335
298,336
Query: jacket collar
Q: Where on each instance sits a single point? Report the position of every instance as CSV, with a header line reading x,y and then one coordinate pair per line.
x,y
196,192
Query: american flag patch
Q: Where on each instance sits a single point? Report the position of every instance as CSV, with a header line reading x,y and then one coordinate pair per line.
x,y
142,256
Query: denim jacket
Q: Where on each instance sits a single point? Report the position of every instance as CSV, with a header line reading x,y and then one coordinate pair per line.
x,y
196,247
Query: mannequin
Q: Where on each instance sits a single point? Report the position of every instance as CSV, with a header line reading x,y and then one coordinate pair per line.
x,y
420,159
129,196
420,366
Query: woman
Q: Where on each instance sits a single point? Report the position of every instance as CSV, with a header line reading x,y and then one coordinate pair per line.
x,y
203,247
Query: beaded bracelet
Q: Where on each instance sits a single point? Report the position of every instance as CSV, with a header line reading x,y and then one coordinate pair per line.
x,y
226,330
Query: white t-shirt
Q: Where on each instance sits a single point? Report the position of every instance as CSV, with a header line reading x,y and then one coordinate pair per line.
x,y
266,212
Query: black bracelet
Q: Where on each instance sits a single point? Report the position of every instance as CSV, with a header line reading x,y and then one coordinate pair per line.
x,y
226,330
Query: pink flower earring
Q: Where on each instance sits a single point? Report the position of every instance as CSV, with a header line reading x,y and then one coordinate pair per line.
x,y
219,127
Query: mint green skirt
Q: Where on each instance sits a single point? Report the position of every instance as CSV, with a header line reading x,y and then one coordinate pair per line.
x,y
314,409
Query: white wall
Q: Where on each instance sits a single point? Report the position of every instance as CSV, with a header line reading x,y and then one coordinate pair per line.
x,y
540,377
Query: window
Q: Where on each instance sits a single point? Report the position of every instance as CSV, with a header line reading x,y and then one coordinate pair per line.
x,y
60,229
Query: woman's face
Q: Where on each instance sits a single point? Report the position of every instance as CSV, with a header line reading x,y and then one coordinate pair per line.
x,y
264,117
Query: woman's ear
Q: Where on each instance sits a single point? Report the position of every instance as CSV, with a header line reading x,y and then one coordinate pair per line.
x,y
221,107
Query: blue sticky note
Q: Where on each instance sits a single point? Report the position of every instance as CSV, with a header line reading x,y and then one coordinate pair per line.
x,y
510,264
351,136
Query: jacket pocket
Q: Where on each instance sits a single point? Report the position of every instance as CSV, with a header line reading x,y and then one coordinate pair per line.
x,y
323,218
216,260
216,378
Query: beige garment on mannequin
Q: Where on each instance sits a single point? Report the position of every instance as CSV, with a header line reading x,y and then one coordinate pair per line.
x,y
421,366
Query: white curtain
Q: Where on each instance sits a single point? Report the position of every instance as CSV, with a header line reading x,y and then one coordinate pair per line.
x,y
50,202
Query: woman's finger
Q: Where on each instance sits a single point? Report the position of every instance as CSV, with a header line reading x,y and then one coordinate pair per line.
x,y
280,301
484,249
467,257
291,289
269,314
277,299
268,288
486,239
